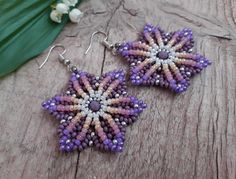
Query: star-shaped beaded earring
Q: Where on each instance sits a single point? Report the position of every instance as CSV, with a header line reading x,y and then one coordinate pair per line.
x,y
93,111
161,59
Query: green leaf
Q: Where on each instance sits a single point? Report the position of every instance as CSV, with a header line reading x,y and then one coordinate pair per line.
x,y
25,31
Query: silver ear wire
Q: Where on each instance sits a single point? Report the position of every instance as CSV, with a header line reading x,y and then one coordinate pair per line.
x,y
91,39
61,57
104,42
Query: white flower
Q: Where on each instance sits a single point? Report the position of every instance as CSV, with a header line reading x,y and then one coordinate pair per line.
x,y
56,16
75,15
62,8
70,2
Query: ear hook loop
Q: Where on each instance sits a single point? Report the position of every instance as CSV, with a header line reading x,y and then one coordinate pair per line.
x,y
105,42
61,57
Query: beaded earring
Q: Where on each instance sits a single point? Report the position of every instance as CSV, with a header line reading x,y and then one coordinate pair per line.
x,y
161,59
93,111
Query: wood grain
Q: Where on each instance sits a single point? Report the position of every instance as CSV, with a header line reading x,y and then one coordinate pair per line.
x,y
192,135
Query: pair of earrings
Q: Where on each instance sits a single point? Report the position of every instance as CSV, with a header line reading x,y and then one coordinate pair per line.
x,y
94,111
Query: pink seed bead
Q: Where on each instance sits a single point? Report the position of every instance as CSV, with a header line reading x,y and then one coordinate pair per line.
x,y
82,134
84,130
103,137
115,127
79,137
117,131
101,134
100,130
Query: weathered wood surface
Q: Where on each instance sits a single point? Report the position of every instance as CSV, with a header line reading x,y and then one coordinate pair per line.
x,y
192,135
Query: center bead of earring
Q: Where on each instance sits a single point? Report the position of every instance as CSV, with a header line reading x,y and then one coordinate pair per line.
x,y
163,55
94,106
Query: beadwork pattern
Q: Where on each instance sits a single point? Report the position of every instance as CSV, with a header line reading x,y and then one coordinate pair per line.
x,y
163,59
94,111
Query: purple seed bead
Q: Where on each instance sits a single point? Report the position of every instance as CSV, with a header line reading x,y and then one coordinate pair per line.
x,y
119,135
73,78
119,149
62,141
62,148
57,98
44,104
106,142
110,144
113,148
68,148
66,132
71,145
77,142
119,140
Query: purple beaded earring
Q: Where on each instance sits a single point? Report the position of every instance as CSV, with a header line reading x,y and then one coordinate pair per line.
x,y
94,111
161,59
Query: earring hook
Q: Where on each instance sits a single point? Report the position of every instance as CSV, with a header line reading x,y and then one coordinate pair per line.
x,y
104,42
50,51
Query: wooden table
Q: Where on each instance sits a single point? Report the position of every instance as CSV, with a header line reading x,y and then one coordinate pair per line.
x,y
191,135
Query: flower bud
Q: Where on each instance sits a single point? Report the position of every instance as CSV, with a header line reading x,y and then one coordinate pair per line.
x,y
75,15
70,2
62,8
56,16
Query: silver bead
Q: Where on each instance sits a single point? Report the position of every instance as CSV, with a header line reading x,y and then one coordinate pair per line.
x,y
67,62
62,121
90,143
117,75
117,95
116,119
92,134
123,123
114,141
186,33
124,92
67,92
73,68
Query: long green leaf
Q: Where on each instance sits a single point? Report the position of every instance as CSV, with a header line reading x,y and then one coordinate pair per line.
x,y
25,31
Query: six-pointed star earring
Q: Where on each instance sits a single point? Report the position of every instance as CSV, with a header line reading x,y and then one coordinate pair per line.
x,y
93,111
161,59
